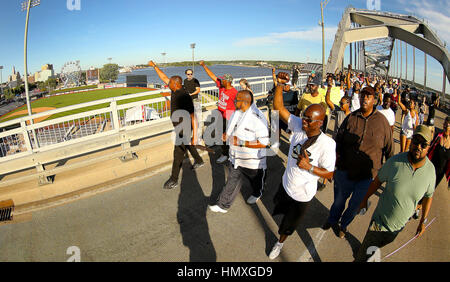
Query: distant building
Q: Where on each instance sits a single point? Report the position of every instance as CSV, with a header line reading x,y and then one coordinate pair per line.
x,y
47,67
45,73
15,76
31,79
92,76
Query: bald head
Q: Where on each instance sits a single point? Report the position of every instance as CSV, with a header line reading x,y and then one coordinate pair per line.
x,y
312,119
315,111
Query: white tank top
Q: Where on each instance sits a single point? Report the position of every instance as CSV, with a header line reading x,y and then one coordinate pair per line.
x,y
408,124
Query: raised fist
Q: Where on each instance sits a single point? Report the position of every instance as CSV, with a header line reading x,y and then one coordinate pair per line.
x,y
202,63
283,77
152,64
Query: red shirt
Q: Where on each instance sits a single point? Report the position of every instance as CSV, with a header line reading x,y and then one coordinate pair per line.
x,y
226,100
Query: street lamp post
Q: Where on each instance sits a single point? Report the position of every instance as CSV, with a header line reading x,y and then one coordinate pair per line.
x,y
27,6
1,79
323,4
193,46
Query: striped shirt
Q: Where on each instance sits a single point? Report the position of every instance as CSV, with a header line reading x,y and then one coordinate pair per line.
x,y
251,126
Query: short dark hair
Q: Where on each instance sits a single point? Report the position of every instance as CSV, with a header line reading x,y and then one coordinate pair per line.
x,y
185,72
177,79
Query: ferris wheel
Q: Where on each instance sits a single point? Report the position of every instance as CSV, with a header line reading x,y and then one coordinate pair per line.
x,y
71,73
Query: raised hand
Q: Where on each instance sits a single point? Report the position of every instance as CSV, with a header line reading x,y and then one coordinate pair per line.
x,y
152,64
282,77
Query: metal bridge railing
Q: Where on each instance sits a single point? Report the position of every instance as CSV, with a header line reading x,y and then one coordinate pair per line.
x,y
112,116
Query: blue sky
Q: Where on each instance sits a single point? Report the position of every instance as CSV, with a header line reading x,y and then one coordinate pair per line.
x,y
135,31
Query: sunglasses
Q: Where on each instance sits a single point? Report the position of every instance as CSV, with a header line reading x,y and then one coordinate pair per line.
x,y
189,74
308,119
417,142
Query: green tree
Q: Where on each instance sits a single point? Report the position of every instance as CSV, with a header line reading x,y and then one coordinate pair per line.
x,y
51,83
83,78
109,73
9,94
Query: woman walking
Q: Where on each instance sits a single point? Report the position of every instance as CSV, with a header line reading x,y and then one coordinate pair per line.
x,y
409,123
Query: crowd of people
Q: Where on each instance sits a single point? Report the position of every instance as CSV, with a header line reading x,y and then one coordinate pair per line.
x,y
357,156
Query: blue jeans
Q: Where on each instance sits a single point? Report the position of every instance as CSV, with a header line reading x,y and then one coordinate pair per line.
x,y
343,188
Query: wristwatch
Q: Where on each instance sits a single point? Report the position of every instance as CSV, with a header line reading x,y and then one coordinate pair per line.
x,y
311,170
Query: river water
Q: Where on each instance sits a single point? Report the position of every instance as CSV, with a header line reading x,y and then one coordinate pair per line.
x,y
199,72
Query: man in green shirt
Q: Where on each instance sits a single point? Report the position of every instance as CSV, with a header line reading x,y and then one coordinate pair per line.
x,y
409,176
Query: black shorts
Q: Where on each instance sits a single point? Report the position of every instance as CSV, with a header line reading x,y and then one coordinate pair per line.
x,y
292,210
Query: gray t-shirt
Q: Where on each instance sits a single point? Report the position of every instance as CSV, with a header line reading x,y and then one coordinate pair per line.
x,y
404,189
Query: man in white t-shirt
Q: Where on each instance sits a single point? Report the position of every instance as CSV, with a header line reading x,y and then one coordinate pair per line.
x,y
248,135
312,155
385,109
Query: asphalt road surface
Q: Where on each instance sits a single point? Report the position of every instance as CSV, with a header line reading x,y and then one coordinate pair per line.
x,y
143,222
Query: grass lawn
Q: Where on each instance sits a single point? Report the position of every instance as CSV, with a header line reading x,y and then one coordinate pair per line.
x,y
82,97
75,88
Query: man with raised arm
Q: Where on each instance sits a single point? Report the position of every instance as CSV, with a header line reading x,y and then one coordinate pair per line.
x,y
180,100
227,95
311,156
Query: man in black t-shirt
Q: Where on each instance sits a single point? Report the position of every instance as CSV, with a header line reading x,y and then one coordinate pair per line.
x,y
180,100
191,84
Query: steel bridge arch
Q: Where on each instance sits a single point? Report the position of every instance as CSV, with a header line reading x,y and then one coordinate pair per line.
x,y
363,25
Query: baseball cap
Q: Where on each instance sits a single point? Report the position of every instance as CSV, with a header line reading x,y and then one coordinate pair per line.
x,y
315,81
228,77
423,131
368,90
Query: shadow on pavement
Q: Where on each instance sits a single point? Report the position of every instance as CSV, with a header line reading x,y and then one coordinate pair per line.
x,y
191,216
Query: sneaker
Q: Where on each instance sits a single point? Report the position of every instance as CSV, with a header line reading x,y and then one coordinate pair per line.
x,y
252,200
222,159
198,164
216,208
276,250
170,184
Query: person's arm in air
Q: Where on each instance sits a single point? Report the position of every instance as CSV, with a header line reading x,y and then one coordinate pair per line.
x,y
327,98
208,71
160,73
278,104
274,77
403,107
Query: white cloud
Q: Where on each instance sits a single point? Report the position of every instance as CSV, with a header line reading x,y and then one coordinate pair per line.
x,y
312,34
436,13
